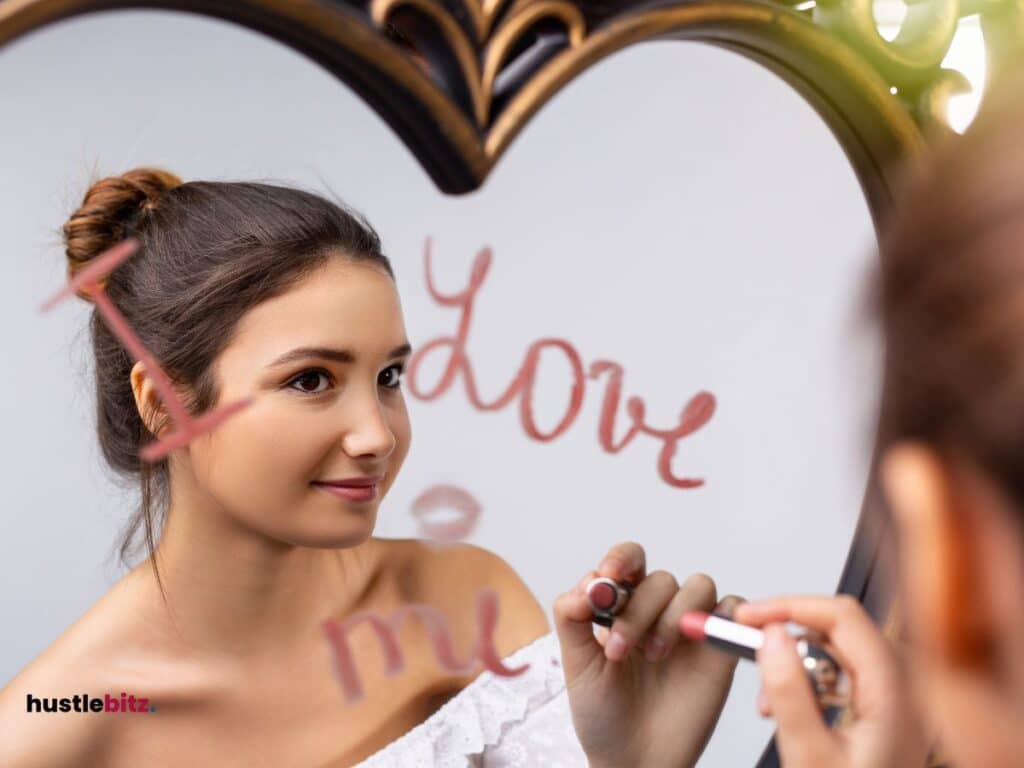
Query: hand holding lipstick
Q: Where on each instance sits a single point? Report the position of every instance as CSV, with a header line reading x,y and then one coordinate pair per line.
x,y
641,694
884,730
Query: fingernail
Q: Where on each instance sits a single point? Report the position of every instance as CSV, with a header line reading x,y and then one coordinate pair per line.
x,y
654,647
615,648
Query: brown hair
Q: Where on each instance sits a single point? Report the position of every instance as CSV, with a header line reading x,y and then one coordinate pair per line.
x,y
949,296
208,252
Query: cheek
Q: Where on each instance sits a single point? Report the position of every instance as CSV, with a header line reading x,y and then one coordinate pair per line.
x,y
403,430
263,453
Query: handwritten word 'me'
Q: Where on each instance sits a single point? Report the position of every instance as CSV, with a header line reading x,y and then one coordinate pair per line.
x,y
90,279
440,637
695,414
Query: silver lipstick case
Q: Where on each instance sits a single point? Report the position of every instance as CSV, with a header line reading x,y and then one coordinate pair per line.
x,y
830,683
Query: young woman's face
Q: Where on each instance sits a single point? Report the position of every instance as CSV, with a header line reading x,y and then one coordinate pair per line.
x,y
314,418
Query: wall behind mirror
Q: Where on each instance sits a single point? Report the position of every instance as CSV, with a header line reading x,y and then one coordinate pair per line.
x,y
677,210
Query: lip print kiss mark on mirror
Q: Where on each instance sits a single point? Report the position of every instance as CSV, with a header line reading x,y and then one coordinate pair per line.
x,y
446,513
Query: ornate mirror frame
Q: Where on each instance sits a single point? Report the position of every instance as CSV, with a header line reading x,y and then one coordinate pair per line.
x,y
457,80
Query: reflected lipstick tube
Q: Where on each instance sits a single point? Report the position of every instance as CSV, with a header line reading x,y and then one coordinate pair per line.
x,y
608,598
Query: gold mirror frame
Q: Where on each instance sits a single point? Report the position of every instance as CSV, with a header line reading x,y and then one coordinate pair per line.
x,y
457,80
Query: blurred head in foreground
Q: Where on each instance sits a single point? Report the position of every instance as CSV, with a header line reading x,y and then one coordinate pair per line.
x,y
950,300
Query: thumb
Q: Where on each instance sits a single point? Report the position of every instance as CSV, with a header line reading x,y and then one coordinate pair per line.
x,y
802,736
573,625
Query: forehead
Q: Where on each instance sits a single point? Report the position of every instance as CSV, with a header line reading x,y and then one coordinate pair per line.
x,y
341,303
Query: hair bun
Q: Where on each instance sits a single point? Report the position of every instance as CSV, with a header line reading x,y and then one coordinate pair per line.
x,y
108,207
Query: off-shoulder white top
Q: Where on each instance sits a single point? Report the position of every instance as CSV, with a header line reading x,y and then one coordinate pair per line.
x,y
497,722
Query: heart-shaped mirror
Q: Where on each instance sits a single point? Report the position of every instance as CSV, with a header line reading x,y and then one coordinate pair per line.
x,y
631,276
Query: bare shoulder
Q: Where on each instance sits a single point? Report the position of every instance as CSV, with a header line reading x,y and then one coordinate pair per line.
x,y
34,736
103,651
452,577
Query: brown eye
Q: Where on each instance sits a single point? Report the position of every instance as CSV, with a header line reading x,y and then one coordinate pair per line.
x,y
396,380
306,381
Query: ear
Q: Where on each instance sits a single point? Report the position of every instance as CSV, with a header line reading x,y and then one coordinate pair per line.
x,y
936,546
147,401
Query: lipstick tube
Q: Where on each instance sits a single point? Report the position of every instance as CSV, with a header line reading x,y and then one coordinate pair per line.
x,y
608,598
830,683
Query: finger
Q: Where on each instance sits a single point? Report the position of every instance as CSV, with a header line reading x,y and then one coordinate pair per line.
x,y
802,736
626,562
581,585
863,650
697,593
650,598
572,619
763,706
820,612
841,618
727,606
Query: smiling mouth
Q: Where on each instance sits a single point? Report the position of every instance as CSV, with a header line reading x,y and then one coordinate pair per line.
x,y
432,510
349,492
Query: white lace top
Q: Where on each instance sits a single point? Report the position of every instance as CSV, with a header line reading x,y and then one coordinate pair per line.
x,y
497,722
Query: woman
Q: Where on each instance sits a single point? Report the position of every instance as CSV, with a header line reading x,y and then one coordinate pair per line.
x,y
951,438
252,290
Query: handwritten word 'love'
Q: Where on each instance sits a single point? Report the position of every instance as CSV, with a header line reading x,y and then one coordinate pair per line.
x,y
695,414
440,637
90,279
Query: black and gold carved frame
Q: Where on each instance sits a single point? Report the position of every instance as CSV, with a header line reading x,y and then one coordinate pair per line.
x,y
457,80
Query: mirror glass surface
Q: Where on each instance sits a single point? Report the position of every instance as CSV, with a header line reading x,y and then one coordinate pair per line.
x,y
677,210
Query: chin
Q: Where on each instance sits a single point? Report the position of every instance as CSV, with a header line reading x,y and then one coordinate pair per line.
x,y
339,533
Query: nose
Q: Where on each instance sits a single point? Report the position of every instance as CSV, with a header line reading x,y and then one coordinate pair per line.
x,y
369,433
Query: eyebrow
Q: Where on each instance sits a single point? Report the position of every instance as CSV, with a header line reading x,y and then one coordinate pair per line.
x,y
328,353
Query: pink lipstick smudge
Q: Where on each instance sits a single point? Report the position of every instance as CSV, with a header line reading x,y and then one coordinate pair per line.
x,y
696,413
441,497
440,637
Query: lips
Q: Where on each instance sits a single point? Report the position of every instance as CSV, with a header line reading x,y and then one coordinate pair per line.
x,y
433,510
350,492
351,488
352,482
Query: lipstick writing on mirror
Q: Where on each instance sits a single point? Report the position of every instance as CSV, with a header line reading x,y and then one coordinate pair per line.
x,y
830,684
607,599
